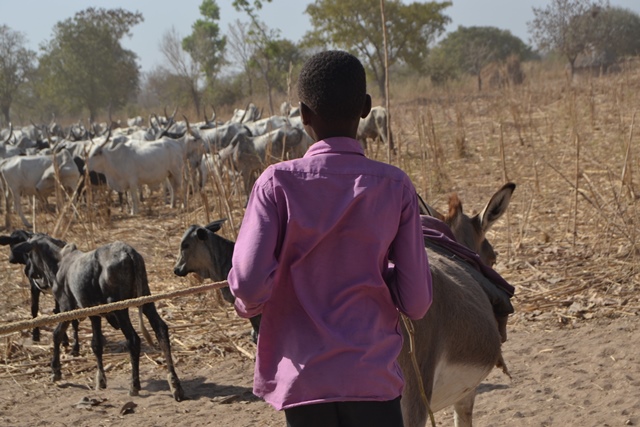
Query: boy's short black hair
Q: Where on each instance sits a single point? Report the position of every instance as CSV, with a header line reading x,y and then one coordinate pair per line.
x,y
333,85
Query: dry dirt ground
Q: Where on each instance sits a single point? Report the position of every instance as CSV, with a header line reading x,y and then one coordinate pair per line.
x,y
586,374
568,245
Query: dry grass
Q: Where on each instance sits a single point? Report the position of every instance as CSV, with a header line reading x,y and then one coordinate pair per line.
x,y
568,244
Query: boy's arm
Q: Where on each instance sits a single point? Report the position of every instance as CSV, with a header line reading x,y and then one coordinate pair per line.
x,y
254,261
411,286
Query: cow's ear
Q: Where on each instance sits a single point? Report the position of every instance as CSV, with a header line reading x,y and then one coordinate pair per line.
x,y
215,225
17,236
22,248
202,233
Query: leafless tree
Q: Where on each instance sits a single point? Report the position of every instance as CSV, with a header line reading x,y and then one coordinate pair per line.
x,y
182,65
240,50
566,26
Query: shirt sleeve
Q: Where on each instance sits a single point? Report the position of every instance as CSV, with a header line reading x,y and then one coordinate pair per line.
x,y
411,284
254,259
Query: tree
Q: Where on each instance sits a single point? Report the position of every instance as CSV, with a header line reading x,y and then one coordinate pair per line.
x,y
616,34
265,43
187,70
566,26
162,87
241,50
355,26
85,66
16,63
204,44
470,49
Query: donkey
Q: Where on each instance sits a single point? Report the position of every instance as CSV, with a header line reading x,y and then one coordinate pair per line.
x,y
458,342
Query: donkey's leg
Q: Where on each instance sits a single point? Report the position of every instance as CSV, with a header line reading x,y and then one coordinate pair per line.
x,y
162,334
96,346
463,410
58,333
133,344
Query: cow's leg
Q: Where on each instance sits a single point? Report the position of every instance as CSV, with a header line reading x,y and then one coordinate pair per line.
x,y
96,346
35,303
135,200
75,350
133,344
463,410
65,338
162,334
255,323
18,208
58,333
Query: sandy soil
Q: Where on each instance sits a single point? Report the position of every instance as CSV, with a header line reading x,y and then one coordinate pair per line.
x,y
581,374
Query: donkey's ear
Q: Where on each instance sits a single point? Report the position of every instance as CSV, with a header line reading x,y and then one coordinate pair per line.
x,y
497,206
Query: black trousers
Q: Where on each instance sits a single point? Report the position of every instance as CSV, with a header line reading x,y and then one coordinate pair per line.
x,y
346,414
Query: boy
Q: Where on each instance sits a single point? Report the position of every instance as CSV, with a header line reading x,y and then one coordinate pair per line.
x,y
312,256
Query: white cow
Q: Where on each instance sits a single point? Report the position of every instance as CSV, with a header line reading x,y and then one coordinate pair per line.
x,y
128,165
250,155
249,114
23,175
374,127
262,126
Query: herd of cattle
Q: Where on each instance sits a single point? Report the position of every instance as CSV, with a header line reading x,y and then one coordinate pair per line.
x,y
167,151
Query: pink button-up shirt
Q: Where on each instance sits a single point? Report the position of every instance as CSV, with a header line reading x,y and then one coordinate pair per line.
x,y
312,256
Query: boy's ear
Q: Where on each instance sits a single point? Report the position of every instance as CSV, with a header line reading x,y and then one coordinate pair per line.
x,y
305,113
366,108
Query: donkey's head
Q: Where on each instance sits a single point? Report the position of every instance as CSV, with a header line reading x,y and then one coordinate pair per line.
x,y
471,231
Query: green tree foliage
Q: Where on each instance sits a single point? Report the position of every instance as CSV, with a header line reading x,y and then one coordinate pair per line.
x,y
16,64
356,26
273,61
85,66
205,45
248,6
566,26
470,49
616,34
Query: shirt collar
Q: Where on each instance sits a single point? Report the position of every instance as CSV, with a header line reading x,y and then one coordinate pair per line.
x,y
341,144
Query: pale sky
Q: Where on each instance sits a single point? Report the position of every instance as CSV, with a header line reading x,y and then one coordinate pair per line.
x,y
36,18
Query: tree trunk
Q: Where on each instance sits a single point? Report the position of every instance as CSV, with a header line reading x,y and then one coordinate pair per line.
x,y
5,109
195,97
382,87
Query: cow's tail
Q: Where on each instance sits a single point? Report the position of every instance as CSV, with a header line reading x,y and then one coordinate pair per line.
x,y
142,289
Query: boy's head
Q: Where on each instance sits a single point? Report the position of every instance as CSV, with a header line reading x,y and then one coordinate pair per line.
x,y
332,84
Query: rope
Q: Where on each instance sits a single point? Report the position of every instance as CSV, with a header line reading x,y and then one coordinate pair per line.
x,y
411,331
104,308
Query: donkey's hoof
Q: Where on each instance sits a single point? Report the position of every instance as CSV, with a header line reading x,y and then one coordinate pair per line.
x,y
56,376
134,392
